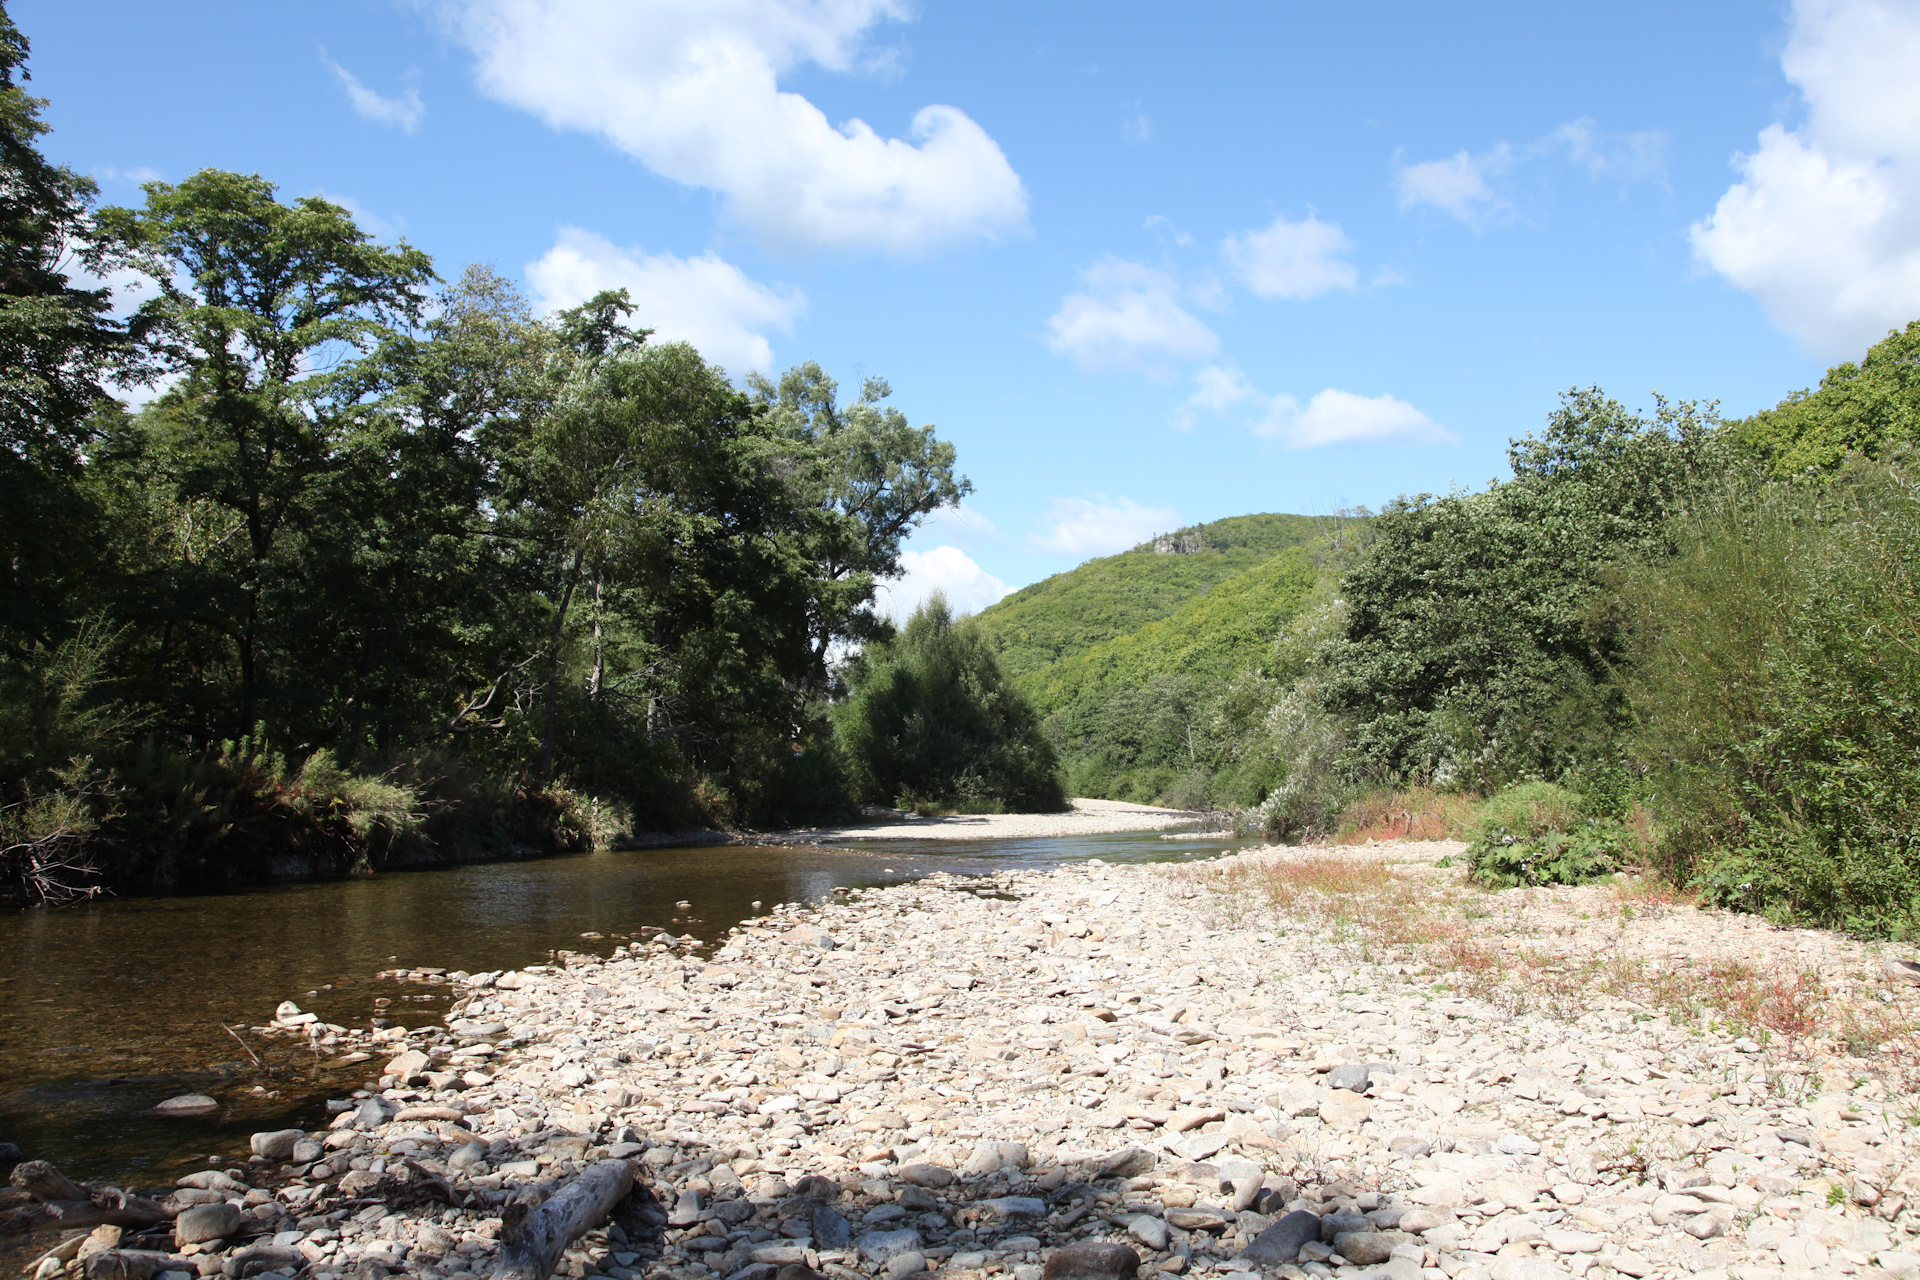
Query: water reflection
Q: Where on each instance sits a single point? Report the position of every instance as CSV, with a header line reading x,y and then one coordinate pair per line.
x,y
108,1008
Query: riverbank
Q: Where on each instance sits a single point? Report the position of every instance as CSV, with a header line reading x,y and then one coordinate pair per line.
x,y
966,1074
1086,817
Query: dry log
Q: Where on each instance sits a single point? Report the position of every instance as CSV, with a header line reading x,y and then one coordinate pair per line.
x,y
44,1182
68,1205
533,1240
133,1264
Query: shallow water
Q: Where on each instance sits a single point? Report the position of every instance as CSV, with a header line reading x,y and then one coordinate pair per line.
x,y
107,1009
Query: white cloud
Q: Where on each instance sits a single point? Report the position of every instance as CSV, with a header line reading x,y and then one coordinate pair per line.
x,y
1468,185
1456,185
1292,259
1823,228
1331,417
404,112
1128,317
1137,126
690,88
705,300
968,587
1081,528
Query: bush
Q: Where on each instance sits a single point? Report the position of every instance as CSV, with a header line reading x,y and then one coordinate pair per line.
x,y
1776,690
1539,833
932,721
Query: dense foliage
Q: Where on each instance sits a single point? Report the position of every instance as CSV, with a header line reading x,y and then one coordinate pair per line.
x,y
933,722
388,570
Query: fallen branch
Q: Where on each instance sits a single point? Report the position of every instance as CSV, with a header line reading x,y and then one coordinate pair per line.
x,y
70,1205
533,1240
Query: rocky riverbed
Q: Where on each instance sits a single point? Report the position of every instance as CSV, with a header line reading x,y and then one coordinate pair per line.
x,y
1296,1063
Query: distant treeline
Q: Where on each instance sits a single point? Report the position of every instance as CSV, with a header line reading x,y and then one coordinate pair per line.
x,y
1675,639
384,569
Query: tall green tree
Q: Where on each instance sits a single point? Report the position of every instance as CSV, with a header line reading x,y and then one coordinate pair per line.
x,y
267,314
1870,409
870,476
58,344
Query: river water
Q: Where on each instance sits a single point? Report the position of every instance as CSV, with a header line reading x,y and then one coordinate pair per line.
x,y
108,1008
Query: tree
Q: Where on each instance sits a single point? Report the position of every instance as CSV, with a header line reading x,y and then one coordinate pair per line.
x,y
871,477
1871,409
266,312
932,719
1472,651
58,343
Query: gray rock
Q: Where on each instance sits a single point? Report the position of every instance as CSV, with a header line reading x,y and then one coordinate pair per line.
x,y
984,1160
1367,1247
261,1257
1014,1207
1149,1231
1013,1155
1280,1243
1130,1162
205,1222
830,1230
307,1150
1352,1075
473,1155
1339,1224
884,1246
902,1265
276,1144
883,1213
815,1187
926,1175
188,1105
1093,1260
374,1112
686,1210
916,1199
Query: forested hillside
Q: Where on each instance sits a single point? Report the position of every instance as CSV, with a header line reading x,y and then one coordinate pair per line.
x,y
1070,612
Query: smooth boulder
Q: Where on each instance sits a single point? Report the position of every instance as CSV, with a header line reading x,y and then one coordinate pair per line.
x,y
1280,1243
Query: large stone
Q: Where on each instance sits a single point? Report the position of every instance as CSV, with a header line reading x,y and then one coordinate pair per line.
x,y
206,1222
1128,1163
1344,1109
276,1144
830,1229
902,1265
1281,1242
374,1112
926,1175
1352,1077
1094,1260
408,1064
884,1246
984,1160
1014,1207
1368,1248
188,1105
1149,1231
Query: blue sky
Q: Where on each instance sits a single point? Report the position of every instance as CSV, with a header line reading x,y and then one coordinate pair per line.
x,y
1146,265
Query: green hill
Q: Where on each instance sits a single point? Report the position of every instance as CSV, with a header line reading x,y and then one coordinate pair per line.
x,y
1072,612
1208,639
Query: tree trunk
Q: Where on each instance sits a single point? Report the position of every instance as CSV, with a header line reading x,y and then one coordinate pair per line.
x,y
553,662
599,658
533,1240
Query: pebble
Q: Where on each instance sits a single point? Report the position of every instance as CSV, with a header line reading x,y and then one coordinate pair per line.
x,y
1012,1075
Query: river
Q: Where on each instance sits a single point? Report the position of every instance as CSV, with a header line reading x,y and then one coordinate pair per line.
x,y
110,1007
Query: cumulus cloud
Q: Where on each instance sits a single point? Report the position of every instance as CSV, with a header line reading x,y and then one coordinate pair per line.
x,y
705,300
1823,227
404,112
1100,526
1292,259
1128,316
967,586
1471,186
690,88
1331,417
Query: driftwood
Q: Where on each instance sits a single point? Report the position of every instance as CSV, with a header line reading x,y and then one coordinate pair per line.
x,y
532,1240
70,1205
133,1264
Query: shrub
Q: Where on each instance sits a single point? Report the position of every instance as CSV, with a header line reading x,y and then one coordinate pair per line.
x,y
1776,691
1539,833
933,721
